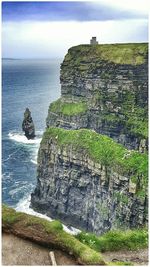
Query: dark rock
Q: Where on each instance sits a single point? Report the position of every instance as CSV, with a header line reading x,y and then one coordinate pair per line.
x,y
110,96
116,96
28,125
73,188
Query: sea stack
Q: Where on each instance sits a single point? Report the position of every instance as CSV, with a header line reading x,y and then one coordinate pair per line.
x,y
28,125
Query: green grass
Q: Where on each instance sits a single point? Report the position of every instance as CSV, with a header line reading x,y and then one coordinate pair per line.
x,y
48,233
103,150
85,247
116,240
68,109
133,53
10,217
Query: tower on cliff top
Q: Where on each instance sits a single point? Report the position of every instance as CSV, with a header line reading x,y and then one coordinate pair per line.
x,y
93,41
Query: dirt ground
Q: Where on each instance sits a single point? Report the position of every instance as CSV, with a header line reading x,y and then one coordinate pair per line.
x,y
17,251
139,257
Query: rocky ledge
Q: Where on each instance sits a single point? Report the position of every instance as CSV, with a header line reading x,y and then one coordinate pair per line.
x,y
89,181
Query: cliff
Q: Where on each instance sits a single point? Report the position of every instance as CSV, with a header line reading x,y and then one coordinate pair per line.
x,y
88,180
105,88
85,177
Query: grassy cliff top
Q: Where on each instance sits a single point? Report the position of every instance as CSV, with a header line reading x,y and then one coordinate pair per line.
x,y
132,53
102,149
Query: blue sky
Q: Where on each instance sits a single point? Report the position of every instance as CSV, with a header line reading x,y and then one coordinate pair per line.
x,y
48,29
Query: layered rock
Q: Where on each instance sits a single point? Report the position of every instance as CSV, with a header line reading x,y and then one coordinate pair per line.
x,y
89,181
112,81
28,125
85,177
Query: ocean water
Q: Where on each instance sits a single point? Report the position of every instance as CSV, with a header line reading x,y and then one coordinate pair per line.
x,y
33,84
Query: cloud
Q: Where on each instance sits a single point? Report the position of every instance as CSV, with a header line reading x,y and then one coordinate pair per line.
x,y
77,11
139,7
35,39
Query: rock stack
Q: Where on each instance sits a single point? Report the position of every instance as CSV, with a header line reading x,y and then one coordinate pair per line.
x,y
28,125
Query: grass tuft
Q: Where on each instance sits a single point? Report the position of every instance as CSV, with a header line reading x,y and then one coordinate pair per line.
x,y
115,240
67,108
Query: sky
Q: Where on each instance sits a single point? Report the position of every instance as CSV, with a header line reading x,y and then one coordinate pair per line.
x,y
48,29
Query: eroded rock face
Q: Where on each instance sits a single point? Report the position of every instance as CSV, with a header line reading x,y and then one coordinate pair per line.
x,y
28,125
85,194
116,94
103,88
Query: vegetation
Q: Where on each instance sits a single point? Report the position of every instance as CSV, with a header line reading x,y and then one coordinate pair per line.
x,y
85,247
67,108
134,118
116,240
48,233
102,149
87,59
137,122
133,54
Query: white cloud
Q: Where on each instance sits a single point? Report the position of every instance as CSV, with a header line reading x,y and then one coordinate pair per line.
x,y
137,6
53,39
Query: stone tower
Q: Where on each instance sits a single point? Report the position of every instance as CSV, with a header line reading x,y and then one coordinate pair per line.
x,y
93,41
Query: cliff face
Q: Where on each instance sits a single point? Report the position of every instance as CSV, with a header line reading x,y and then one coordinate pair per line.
x,y
85,178
105,88
88,180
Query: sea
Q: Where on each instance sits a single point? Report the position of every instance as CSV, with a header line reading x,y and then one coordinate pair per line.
x,y
34,84
28,83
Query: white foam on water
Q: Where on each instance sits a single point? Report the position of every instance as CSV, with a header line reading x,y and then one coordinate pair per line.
x,y
34,155
21,138
34,161
14,191
24,206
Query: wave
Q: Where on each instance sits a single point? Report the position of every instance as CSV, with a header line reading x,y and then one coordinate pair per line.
x,y
7,176
10,156
24,206
34,161
21,138
17,190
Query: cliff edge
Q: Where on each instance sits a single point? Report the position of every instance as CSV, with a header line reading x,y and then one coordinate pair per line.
x,y
105,88
92,161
